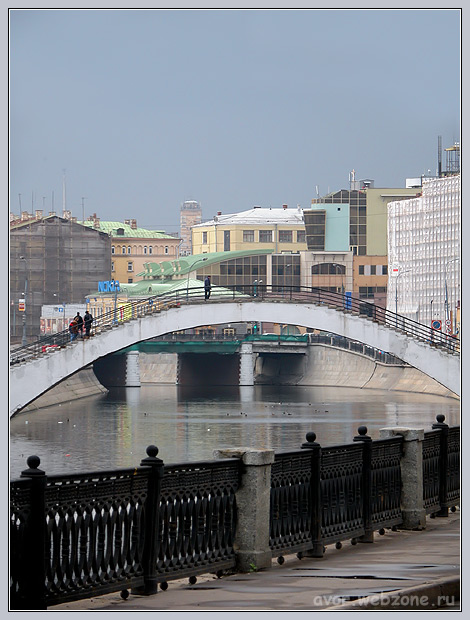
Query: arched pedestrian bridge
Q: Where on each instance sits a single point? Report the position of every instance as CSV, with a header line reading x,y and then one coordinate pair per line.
x,y
36,368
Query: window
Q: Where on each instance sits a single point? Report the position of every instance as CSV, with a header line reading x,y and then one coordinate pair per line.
x,y
166,249
112,249
129,249
145,249
248,236
301,236
373,270
265,236
112,265
315,227
123,250
384,270
285,236
204,237
150,249
361,270
130,280
130,266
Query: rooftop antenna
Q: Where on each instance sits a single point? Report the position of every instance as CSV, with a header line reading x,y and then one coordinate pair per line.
x,y
64,204
316,190
83,210
439,156
19,198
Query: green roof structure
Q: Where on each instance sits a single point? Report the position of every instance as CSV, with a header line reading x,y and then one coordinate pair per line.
x,y
111,228
184,265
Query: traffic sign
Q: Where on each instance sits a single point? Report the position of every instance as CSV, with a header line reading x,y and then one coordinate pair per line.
x,y
436,324
394,270
21,305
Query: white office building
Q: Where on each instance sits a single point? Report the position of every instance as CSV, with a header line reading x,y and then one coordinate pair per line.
x,y
424,255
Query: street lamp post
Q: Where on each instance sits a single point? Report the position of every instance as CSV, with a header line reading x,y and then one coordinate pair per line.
x,y
201,260
446,298
396,293
24,341
341,273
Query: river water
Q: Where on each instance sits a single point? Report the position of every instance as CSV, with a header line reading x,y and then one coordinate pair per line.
x,y
187,424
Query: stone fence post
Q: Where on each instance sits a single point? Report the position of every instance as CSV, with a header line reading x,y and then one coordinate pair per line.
x,y
411,464
253,498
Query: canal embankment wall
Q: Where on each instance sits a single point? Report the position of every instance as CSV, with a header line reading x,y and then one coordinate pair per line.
x,y
80,385
320,366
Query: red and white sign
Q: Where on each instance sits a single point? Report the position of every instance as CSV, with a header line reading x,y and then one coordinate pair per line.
x,y
448,326
394,270
20,305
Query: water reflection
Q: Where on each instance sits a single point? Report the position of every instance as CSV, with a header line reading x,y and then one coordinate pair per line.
x,y
187,424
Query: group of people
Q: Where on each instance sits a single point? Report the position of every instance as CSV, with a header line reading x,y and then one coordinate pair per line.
x,y
78,323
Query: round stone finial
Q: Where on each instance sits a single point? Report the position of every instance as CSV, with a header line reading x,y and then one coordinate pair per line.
x,y
440,418
362,430
33,461
310,437
152,451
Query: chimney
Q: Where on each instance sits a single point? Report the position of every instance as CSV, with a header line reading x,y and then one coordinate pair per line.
x,y
38,214
52,213
73,219
284,207
24,215
133,224
219,212
96,221
127,222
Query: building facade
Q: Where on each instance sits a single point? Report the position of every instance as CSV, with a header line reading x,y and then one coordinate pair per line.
x,y
132,247
355,220
279,230
53,260
424,254
190,215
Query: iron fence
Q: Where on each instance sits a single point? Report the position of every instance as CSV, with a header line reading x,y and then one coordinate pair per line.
x,y
80,535
243,294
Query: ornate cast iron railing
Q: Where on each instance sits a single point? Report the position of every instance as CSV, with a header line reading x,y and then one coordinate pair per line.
x,y
243,294
441,467
81,535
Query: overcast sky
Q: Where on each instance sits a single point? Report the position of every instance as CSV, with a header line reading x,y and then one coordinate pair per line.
x,y
144,109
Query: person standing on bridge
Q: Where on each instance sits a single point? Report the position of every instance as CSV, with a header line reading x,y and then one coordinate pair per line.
x,y
73,329
207,287
79,321
87,321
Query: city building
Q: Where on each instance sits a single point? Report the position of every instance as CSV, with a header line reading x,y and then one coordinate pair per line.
x,y
190,215
132,246
53,260
353,222
424,254
280,230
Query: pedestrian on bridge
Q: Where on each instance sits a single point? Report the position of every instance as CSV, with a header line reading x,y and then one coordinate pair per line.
x,y
73,329
79,321
207,287
87,320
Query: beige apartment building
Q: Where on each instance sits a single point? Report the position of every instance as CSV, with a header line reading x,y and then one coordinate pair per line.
x,y
280,230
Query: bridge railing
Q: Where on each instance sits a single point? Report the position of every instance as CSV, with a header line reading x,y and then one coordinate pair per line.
x,y
249,293
74,536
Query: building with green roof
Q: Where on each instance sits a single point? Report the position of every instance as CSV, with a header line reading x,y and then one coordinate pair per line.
x,y
132,246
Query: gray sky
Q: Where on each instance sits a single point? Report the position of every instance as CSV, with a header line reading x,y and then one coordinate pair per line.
x,y
233,108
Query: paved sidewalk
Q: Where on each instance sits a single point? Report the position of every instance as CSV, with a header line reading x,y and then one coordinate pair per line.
x,y
399,570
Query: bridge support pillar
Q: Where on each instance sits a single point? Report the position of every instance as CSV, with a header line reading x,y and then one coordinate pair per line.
x,y
247,376
411,464
132,369
253,504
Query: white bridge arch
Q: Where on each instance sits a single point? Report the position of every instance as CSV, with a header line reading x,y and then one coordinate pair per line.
x,y
30,379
